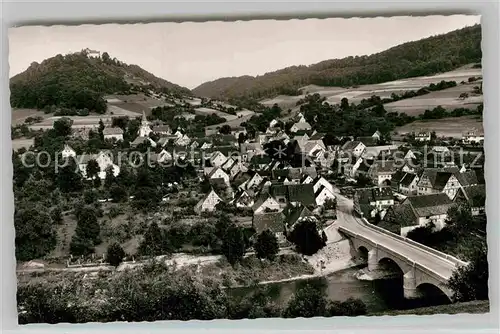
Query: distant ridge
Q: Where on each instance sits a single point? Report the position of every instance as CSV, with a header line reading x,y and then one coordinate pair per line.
x,y
423,57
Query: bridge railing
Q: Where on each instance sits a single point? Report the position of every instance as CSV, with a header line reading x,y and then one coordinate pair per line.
x,y
448,257
394,253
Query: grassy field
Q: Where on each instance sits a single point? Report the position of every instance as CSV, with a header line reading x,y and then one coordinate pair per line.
x,y
446,98
477,307
446,127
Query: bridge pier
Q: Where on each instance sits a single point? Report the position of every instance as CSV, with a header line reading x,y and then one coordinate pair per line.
x,y
410,285
373,259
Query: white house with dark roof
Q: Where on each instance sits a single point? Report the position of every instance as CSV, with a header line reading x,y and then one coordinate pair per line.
x,y
162,129
301,125
322,195
472,136
103,160
408,185
113,133
423,136
354,147
428,209
208,203
68,152
266,203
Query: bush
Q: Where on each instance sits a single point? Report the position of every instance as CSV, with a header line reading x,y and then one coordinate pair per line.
x,y
115,254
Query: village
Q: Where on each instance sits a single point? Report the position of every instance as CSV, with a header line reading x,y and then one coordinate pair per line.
x,y
278,178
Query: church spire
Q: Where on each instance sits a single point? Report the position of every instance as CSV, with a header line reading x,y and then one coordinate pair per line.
x,y
144,119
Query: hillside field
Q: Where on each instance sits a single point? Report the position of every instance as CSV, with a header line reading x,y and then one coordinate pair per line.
x,y
447,98
445,127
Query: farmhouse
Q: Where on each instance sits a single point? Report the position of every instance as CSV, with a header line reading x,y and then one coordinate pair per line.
x,y
113,133
208,203
301,125
370,201
474,196
68,152
103,160
428,209
408,184
423,136
266,203
381,171
323,195
271,221
472,136
433,181
354,147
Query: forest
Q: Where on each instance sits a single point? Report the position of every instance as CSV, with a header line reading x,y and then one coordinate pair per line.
x,y
424,57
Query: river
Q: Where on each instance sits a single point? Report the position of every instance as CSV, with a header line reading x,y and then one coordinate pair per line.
x,y
378,295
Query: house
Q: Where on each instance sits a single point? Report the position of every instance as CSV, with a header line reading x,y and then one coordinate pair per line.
x,y
472,136
433,181
113,133
68,152
370,201
162,130
254,181
103,160
217,159
474,196
354,147
235,168
301,125
408,185
296,214
352,166
218,175
208,203
294,194
440,150
319,182
144,129
266,203
242,199
368,141
271,221
164,156
142,140
376,135
322,195
427,209
381,171
423,136
183,140
248,150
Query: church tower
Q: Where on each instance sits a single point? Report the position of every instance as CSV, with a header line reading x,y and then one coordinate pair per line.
x,y
144,130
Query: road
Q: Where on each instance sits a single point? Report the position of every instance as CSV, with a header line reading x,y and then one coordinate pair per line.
x,y
347,219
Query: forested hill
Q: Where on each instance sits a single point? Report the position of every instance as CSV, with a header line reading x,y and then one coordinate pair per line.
x,y
424,57
79,81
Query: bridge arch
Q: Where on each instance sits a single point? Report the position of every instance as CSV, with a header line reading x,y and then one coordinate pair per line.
x,y
434,294
393,264
363,252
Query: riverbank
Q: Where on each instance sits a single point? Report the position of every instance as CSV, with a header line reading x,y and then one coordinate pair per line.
x,y
475,307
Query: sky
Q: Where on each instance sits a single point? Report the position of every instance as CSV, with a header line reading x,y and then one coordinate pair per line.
x,y
191,53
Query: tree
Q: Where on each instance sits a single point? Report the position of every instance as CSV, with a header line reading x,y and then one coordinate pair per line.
x,y
110,177
225,129
62,127
470,282
35,235
115,254
306,237
233,244
118,193
154,242
86,233
56,215
89,196
92,168
266,245
68,178
307,302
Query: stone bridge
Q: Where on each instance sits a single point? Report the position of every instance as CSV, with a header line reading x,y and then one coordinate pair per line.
x,y
423,269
